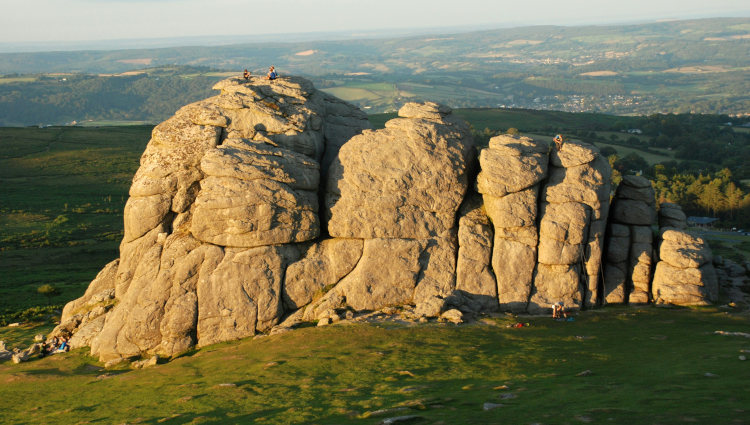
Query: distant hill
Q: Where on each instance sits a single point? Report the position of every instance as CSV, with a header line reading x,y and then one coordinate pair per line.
x,y
694,66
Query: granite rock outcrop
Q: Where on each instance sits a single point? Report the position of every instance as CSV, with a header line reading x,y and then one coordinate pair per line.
x,y
275,203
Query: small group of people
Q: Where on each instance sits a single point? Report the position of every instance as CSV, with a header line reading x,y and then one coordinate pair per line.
x,y
272,74
55,345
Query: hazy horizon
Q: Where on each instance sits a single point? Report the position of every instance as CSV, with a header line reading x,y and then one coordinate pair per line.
x,y
124,24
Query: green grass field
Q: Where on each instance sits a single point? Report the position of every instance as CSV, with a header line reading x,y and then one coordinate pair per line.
x,y
648,366
11,80
112,123
61,201
651,158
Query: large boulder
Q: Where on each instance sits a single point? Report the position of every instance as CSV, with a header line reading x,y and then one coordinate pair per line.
x,y
512,164
689,286
685,275
404,181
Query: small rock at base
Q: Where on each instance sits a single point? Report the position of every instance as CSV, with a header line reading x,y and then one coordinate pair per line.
x,y
116,362
453,315
153,361
709,375
490,406
39,338
586,373
743,358
20,357
14,325
227,385
324,321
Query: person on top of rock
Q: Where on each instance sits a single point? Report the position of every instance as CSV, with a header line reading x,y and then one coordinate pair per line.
x,y
246,75
558,311
272,75
558,142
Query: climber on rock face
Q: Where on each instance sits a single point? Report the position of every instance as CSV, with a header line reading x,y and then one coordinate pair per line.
x,y
558,142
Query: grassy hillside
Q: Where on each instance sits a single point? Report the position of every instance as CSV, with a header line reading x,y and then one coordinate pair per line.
x,y
648,366
699,66
62,193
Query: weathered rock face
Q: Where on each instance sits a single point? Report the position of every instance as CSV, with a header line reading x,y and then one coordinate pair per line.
x,y
573,208
397,191
223,227
225,189
405,181
684,274
630,260
323,264
512,168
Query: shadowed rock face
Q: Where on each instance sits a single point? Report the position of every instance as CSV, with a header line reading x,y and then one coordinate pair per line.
x,y
223,226
630,256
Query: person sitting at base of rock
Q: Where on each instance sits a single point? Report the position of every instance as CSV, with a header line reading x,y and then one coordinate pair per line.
x,y
64,347
558,142
49,348
558,311
246,75
272,75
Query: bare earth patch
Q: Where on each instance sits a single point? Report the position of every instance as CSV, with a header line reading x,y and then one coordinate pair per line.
x,y
144,61
521,42
697,69
306,53
600,73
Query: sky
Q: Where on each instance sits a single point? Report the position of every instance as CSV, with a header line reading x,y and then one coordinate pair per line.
x,y
24,21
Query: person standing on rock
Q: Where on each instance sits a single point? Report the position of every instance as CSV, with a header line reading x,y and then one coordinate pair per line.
x,y
558,142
